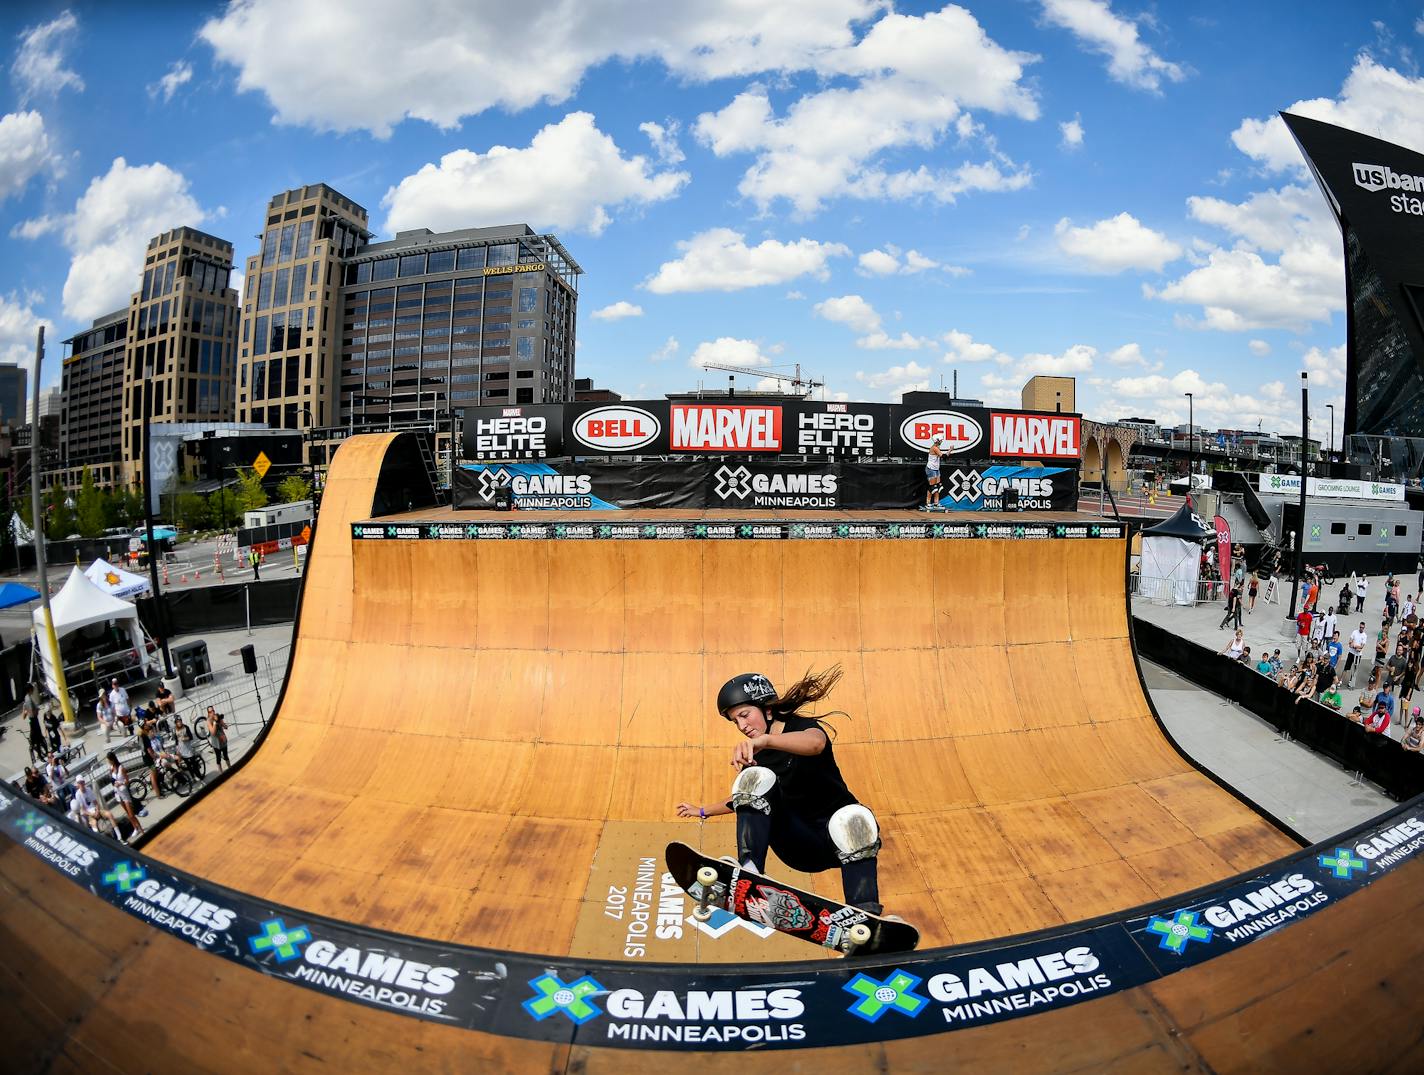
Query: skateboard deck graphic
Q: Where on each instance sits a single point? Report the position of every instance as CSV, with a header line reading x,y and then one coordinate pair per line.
x,y
786,908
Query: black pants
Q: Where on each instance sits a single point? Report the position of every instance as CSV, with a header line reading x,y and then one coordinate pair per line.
x,y
805,845
219,746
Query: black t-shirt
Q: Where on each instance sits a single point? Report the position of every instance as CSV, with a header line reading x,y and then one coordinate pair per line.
x,y
811,786
1324,678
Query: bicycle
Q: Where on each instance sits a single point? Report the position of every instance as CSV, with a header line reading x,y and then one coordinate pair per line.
x,y
172,777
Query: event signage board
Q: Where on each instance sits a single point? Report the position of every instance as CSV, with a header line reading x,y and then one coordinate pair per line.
x,y
732,530
733,1007
1350,488
801,428
770,484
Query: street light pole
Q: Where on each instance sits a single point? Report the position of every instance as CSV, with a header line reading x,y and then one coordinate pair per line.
x,y
1330,454
1304,481
146,480
1191,447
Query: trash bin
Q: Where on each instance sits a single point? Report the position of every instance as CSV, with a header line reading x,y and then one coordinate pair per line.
x,y
191,659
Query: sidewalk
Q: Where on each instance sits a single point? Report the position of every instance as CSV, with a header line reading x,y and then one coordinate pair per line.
x,y
232,692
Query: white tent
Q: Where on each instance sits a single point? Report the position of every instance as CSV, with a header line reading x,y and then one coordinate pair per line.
x,y
1171,557
80,604
115,581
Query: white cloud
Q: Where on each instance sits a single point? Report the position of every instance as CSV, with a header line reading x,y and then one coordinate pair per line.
x,y
793,294
963,349
887,262
1259,348
1117,243
669,348
918,76
1326,368
879,263
1376,100
1239,289
617,311
850,310
897,380
1072,132
1215,405
18,326
25,151
664,140
1076,359
1130,61
180,74
1129,354
728,351
881,341
720,260
108,231
39,69
569,177
439,61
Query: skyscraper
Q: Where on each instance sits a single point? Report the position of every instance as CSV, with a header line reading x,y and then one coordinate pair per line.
x,y
92,397
343,335
14,410
287,371
181,338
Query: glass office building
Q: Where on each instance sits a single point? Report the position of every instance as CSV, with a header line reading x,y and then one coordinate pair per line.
x,y
91,401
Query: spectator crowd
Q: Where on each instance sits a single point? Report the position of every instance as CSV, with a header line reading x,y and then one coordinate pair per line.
x,y
1338,653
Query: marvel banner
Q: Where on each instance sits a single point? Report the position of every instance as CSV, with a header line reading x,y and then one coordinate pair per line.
x,y
773,484
804,429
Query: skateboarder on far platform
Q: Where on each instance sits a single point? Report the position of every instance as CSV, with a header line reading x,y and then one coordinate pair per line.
x,y
789,795
933,488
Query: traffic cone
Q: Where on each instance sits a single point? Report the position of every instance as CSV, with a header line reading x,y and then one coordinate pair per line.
x,y
197,575
165,572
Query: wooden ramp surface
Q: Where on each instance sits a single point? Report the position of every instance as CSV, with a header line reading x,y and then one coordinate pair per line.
x,y
485,742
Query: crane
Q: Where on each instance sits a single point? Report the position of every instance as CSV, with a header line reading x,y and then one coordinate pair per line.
x,y
795,379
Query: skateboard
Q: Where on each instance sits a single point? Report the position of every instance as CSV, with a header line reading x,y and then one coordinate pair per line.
x,y
785,908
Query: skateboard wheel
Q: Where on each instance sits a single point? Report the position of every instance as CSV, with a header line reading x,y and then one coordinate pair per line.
x,y
702,914
707,875
859,933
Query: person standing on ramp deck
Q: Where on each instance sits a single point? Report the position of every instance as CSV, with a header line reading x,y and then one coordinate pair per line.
x,y
934,489
789,795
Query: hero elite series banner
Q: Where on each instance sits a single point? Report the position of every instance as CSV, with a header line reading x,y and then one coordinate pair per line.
x,y
792,454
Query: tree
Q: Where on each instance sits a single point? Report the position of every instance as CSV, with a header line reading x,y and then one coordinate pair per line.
x,y
192,510
292,488
90,505
61,521
249,494
222,509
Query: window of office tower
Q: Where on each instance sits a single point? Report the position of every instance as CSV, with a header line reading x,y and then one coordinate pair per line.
x,y
506,254
528,299
289,237
471,257
441,261
304,238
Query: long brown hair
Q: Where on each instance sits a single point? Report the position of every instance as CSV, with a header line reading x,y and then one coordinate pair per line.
x,y
811,687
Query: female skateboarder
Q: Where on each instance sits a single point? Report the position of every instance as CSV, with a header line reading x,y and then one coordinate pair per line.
x,y
789,795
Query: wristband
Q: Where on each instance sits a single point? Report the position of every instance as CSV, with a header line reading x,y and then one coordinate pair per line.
x,y
702,812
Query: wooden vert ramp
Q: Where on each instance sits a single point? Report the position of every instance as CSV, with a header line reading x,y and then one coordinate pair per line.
x,y
485,742
86,987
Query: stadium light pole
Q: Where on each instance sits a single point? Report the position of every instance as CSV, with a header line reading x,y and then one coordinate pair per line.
x,y
1304,481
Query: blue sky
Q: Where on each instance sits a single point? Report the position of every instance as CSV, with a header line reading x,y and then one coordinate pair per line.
x,y
881,193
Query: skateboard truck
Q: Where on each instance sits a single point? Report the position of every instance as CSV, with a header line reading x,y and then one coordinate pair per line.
x,y
856,936
707,878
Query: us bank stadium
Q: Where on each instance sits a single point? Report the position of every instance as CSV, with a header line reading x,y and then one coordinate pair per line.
x,y
1376,191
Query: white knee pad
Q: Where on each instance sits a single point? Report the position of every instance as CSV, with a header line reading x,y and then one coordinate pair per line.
x,y
855,833
751,786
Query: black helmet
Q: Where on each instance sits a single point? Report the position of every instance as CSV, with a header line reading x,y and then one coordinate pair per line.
x,y
750,688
